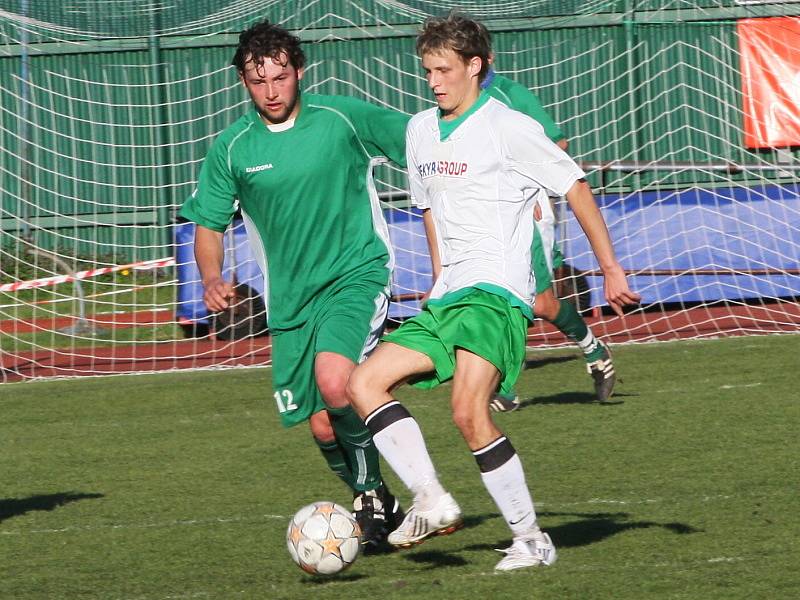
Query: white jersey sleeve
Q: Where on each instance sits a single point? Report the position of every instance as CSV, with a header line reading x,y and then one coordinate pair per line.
x,y
536,159
419,196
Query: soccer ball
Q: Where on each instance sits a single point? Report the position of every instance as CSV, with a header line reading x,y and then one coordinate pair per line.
x,y
323,538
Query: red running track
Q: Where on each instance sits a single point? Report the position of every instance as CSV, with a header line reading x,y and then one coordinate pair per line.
x,y
780,317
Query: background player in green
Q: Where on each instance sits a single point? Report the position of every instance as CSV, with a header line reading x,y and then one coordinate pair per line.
x,y
547,256
299,166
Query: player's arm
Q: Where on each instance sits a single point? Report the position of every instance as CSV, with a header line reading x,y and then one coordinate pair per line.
x,y
419,199
381,130
525,101
615,284
433,243
535,157
209,254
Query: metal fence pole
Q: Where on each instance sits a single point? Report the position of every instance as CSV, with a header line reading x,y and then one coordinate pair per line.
x,y
161,128
25,150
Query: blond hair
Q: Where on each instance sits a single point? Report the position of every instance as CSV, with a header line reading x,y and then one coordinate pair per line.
x,y
462,35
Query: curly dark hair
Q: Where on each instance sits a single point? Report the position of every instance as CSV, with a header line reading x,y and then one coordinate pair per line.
x,y
462,35
264,40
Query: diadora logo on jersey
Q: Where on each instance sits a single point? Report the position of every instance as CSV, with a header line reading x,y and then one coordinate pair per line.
x,y
258,168
442,167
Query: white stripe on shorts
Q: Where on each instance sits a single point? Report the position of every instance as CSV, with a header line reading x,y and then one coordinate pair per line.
x,y
376,325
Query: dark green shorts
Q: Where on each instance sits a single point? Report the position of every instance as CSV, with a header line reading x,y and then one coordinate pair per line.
x,y
478,321
348,323
545,256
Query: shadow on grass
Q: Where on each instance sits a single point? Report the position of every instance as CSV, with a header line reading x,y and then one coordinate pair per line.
x,y
591,528
323,580
384,548
570,398
576,398
471,521
14,507
562,398
535,363
427,559
595,527
434,558
437,558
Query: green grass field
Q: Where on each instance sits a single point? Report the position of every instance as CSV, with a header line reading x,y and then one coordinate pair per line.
x,y
181,485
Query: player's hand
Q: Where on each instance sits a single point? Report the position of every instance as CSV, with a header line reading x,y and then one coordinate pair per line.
x,y
217,294
618,294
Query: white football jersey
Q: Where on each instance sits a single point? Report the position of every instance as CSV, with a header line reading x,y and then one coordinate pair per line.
x,y
481,175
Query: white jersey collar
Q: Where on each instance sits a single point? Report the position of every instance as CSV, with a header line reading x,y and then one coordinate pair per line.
x,y
278,127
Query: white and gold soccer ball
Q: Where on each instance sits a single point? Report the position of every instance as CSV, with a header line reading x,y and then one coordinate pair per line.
x,y
323,538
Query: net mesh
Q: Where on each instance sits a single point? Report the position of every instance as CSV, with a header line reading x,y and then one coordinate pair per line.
x,y
109,106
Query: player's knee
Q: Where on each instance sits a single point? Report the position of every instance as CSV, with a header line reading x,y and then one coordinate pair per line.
x,y
465,420
332,385
360,385
546,306
321,427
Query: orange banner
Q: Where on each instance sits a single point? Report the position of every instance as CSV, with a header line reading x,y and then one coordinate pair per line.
x,y
771,81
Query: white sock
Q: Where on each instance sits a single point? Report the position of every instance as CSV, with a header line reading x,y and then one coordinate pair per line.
x,y
588,344
506,484
402,446
427,494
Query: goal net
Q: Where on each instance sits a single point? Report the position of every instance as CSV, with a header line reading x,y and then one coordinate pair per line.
x,y
108,109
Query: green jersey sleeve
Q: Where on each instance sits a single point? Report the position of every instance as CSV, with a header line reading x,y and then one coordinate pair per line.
x,y
381,130
517,96
212,203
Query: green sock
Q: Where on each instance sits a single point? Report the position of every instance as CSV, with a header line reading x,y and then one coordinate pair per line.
x,y
333,455
358,449
572,325
510,395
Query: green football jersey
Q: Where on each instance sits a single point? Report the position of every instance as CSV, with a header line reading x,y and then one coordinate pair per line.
x,y
307,198
517,96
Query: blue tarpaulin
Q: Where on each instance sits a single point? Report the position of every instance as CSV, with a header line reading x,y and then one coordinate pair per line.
x,y
738,229
190,290
679,232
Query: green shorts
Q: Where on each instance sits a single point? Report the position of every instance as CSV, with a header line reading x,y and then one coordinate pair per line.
x,y
545,256
349,323
478,321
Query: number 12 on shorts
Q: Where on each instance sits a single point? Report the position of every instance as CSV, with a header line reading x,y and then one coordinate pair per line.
x,y
285,400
